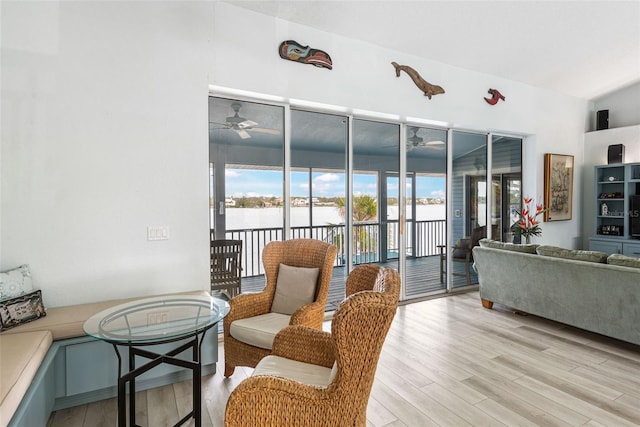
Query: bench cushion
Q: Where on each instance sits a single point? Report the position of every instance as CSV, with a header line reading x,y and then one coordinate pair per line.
x,y
20,358
67,322
259,331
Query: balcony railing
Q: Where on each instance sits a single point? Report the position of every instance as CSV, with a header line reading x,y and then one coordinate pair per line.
x,y
372,242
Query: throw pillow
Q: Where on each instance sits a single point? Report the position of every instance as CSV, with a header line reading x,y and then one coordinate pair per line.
x,y
296,286
529,249
623,260
15,282
574,254
22,309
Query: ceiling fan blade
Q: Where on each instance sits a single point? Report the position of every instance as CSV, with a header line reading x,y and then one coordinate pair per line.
x,y
246,124
243,133
265,130
219,125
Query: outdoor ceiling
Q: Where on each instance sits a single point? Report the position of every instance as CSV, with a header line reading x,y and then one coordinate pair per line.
x,y
584,49
319,132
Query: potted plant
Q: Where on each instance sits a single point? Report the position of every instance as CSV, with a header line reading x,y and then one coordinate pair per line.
x,y
527,224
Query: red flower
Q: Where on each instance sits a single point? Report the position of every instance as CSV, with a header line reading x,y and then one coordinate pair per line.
x,y
527,225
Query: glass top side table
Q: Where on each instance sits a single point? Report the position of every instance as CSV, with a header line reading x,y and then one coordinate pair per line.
x,y
152,321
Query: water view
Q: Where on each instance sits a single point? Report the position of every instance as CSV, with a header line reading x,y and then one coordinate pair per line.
x,y
243,218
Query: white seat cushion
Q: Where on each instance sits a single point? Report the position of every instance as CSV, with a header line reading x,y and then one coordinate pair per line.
x,y
305,373
259,331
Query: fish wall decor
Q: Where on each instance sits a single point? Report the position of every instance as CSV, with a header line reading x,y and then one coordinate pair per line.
x,y
294,51
427,88
495,96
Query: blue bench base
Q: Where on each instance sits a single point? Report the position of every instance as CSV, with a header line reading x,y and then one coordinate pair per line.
x,y
81,370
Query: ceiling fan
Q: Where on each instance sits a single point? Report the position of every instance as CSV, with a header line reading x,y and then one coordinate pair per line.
x,y
417,141
241,126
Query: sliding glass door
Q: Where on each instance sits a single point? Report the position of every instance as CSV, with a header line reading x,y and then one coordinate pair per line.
x,y
317,186
506,184
468,214
246,157
426,168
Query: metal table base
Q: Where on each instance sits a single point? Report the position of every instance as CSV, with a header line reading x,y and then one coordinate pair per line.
x,y
156,359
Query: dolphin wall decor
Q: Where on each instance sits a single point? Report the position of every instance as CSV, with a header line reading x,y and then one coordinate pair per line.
x,y
294,51
427,88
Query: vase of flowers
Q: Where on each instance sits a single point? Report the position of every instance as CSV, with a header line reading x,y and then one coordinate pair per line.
x,y
528,225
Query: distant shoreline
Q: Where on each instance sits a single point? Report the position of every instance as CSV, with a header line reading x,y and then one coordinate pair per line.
x,y
271,217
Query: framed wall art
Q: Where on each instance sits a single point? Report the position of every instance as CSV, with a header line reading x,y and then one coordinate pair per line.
x,y
558,187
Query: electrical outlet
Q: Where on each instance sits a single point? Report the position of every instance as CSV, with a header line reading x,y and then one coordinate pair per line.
x,y
157,317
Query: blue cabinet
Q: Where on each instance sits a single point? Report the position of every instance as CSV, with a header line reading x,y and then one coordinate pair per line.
x,y
615,185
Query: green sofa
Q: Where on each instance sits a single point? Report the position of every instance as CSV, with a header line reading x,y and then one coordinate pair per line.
x,y
595,296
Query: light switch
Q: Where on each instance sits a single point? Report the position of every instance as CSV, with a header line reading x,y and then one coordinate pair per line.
x,y
157,233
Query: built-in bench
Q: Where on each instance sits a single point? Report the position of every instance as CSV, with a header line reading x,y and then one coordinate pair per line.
x,y
50,364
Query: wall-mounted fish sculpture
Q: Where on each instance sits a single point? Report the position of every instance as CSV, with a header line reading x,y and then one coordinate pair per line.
x,y
426,87
495,96
294,51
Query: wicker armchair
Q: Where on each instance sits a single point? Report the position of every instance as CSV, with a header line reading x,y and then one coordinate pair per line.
x,y
296,253
347,359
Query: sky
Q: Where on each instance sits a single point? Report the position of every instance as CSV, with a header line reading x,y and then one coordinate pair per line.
x,y
268,183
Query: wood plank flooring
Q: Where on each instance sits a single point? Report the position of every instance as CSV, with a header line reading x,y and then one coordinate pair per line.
x,y
450,362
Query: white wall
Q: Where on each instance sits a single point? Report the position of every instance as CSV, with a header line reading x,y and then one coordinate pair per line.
x,y
623,106
104,112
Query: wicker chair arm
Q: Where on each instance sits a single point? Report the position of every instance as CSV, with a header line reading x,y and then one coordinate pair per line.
x,y
305,344
311,314
248,305
256,402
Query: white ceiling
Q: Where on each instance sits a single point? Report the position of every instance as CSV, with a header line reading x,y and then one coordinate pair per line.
x,y
581,48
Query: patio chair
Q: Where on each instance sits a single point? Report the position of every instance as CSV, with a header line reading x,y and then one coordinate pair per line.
x,y
226,266
298,275
462,252
316,378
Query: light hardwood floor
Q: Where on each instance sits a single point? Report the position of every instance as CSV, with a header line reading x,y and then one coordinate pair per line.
x,y
450,362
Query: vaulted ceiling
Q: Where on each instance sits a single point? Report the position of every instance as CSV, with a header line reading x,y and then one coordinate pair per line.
x,y
584,49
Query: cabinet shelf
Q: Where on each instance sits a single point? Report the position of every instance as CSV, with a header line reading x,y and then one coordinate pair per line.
x,y
615,186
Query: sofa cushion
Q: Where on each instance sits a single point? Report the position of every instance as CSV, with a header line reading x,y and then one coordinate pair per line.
x,y
15,282
21,356
574,254
305,373
259,331
22,309
529,249
623,260
296,286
